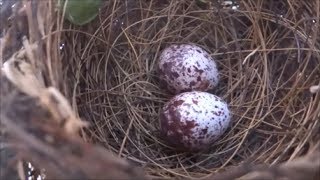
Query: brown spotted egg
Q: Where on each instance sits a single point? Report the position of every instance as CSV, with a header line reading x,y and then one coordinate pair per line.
x,y
192,121
187,67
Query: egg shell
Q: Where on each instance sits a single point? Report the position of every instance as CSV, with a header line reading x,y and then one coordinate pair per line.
x,y
192,121
187,67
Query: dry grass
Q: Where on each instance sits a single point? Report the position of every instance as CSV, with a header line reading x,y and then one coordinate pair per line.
x,y
267,57
267,53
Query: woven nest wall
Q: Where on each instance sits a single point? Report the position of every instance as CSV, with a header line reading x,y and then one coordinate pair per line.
x,y
267,54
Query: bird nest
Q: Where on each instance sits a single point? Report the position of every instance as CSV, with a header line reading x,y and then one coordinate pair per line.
x,y
268,58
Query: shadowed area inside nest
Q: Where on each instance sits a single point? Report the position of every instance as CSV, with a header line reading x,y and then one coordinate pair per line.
x,y
267,61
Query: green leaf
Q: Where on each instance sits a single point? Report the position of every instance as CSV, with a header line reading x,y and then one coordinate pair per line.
x,y
81,12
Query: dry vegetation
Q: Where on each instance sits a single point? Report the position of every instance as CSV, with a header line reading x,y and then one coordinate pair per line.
x,y
268,54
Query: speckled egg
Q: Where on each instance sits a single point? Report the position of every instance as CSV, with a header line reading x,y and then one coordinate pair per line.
x,y
187,67
192,121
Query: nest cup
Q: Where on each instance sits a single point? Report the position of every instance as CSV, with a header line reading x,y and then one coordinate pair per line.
x,y
267,54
